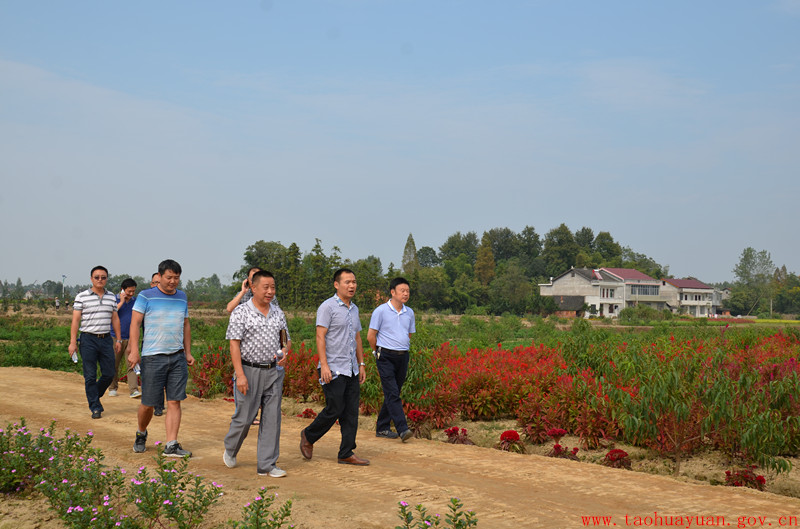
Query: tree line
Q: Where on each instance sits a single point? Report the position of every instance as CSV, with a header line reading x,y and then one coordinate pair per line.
x,y
495,273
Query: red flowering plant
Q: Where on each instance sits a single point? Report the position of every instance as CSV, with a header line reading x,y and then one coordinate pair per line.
x,y
510,442
458,436
745,477
617,458
420,423
563,452
556,434
307,413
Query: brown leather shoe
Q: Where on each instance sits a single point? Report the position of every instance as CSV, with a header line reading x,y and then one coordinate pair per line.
x,y
354,460
306,448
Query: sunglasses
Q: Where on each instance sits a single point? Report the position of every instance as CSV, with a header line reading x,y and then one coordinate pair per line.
x,y
100,278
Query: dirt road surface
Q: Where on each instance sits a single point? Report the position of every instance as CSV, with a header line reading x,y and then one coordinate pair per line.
x,y
505,490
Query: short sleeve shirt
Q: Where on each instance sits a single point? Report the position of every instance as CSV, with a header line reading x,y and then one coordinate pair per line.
x,y
125,313
393,326
96,311
164,316
343,326
259,334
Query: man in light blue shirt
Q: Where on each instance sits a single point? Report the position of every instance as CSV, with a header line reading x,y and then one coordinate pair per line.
x,y
389,335
341,369
166,354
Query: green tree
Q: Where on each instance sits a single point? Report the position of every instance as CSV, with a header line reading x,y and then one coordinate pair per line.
x,y
410,261
484,265
372,286
753,284
530,250
584,238
458,244
504,243
429,287
560,250
426,257
643,263
511,291
607,248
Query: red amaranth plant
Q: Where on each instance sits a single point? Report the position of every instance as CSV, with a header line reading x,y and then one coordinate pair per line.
x,y
563,452
510,442
420,423
307,413
745,477
458,436
617,458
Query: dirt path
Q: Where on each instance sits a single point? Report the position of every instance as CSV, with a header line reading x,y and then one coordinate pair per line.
x,y
506,490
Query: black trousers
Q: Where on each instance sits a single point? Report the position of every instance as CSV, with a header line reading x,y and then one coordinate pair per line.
x,y
342,396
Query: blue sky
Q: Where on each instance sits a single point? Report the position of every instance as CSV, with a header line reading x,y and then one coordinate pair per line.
x,y
133,132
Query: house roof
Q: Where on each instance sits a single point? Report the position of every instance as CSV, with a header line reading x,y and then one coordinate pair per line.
x,y
569,302
687,283
590,274
629,273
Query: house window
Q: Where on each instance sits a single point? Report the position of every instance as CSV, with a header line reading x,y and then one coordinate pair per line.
x,y
644,290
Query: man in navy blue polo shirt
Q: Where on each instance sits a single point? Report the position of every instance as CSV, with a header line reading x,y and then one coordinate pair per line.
x,y
125,301
341,369
389,335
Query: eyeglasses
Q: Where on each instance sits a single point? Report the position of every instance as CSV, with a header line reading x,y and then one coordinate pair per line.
x,y
100,278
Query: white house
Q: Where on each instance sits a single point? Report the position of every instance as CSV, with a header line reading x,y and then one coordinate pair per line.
x,y
688,296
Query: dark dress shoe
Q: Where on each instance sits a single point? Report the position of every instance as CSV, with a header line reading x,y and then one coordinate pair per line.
x,y
354,460
158,412
306,448
97,414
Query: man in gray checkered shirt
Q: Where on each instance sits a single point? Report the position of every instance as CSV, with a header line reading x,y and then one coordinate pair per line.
x,y
258,359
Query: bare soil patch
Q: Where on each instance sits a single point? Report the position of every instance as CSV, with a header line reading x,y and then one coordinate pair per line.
x,y
506,490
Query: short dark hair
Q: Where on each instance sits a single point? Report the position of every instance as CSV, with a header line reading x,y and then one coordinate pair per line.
x,y
127,283
154,275
261,274
337,274
169,264
98,267
393,284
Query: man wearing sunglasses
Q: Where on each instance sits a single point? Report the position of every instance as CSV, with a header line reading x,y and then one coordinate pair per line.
x,y
94,314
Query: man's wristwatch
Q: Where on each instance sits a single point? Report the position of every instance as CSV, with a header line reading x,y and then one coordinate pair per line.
x,y
119,341
362,364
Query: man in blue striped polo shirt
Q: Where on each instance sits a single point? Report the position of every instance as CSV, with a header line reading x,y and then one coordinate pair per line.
x,y
166,354
94,314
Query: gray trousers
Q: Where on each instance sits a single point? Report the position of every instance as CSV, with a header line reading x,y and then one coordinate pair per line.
x,y
265,392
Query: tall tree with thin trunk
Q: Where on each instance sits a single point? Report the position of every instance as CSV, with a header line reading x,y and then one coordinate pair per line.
x,y
410,262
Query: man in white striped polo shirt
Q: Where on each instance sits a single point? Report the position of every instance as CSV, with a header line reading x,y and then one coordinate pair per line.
x,y
94,314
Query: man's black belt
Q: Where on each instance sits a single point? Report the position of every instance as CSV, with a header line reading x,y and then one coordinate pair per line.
x,y
104,335
260,366
385,350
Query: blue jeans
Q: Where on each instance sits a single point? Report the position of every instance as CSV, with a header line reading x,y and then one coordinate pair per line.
x,y
97,351
392,368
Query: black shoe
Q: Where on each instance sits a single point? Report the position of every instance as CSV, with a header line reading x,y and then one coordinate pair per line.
x,y
158,412
97,414
176,450
405,436
140,444
386,434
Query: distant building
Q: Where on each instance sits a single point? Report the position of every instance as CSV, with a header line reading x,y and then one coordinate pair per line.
x,y
606,291
688,296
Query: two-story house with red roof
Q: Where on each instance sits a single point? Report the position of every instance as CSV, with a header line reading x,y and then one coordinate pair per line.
x,y
688,296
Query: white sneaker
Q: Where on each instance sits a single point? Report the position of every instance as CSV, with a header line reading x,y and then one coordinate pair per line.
x,y
112,393
229,461
274,473
136,394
